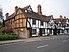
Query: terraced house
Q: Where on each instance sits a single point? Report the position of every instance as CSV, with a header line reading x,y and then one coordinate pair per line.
x,y
27,23
62,25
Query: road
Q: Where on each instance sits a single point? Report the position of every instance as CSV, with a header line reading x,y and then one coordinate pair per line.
x,y
51,45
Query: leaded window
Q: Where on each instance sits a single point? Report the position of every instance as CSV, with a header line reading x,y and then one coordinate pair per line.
x,y
34,21
33,31
43,31
42,23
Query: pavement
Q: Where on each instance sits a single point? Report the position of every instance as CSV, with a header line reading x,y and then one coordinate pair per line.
x,y
33,39
39,44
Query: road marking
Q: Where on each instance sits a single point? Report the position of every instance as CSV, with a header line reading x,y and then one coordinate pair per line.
x,y
42,46
64,41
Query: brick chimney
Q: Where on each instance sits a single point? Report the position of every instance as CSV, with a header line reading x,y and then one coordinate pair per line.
x,y
61,17
64,17
7,15
39,9
16,8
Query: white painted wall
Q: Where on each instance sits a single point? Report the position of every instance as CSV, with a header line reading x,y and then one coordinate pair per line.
x,y
46,32
44,25
28,24
37,26
37,23
31,21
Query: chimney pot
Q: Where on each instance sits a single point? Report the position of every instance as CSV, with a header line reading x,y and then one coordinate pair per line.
x,y
16,8
60,16
7,15
64,17
39,9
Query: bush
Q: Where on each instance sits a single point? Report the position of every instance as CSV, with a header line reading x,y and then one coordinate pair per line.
x,y
8,36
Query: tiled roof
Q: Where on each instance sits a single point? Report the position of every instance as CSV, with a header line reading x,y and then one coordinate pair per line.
x,y
37,16
61,20
32,15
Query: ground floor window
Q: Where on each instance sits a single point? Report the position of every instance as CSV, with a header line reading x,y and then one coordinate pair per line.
x,y
67,31
33,31
43,31
61,31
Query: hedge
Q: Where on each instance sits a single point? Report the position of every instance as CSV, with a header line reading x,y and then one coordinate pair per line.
x,y
8,36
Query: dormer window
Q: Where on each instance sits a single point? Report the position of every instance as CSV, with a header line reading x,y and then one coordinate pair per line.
x,y
28,9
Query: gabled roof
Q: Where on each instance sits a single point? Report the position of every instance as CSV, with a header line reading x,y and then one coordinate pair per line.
x,y
61,20
32,14
37,16
25,8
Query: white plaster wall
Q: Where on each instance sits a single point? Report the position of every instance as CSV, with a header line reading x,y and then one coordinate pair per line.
x,y
37,23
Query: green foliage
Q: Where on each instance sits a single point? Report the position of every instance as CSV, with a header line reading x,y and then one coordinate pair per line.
x,y
5,36
1,25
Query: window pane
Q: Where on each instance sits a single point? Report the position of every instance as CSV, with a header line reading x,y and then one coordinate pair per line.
x,y
33,31
21,20
21,24
43,31
17,21
42,23
17,25
67,25
34,21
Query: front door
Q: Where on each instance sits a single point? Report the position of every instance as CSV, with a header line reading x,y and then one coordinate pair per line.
x,y
55,32
30,32
40,32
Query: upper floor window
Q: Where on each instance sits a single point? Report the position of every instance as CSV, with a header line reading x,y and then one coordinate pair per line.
x,y
67,25
60,25
34,21
42,23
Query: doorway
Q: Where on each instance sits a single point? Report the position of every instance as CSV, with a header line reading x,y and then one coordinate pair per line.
x,y
40,32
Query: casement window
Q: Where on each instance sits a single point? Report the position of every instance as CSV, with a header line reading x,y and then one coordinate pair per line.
x,y
67,25
34,21
43,31
16,23
21,22
42,23
60,25
33,31
67,31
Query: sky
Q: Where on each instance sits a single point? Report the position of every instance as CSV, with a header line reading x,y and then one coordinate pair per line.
x,y
49,7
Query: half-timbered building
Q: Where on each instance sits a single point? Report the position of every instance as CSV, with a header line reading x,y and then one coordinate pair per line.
x,y
27,23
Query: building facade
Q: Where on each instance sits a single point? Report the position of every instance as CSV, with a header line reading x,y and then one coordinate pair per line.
x,y
1,15
62,25
27,23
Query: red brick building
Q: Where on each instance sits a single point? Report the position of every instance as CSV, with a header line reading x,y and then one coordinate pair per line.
x,y
26,23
